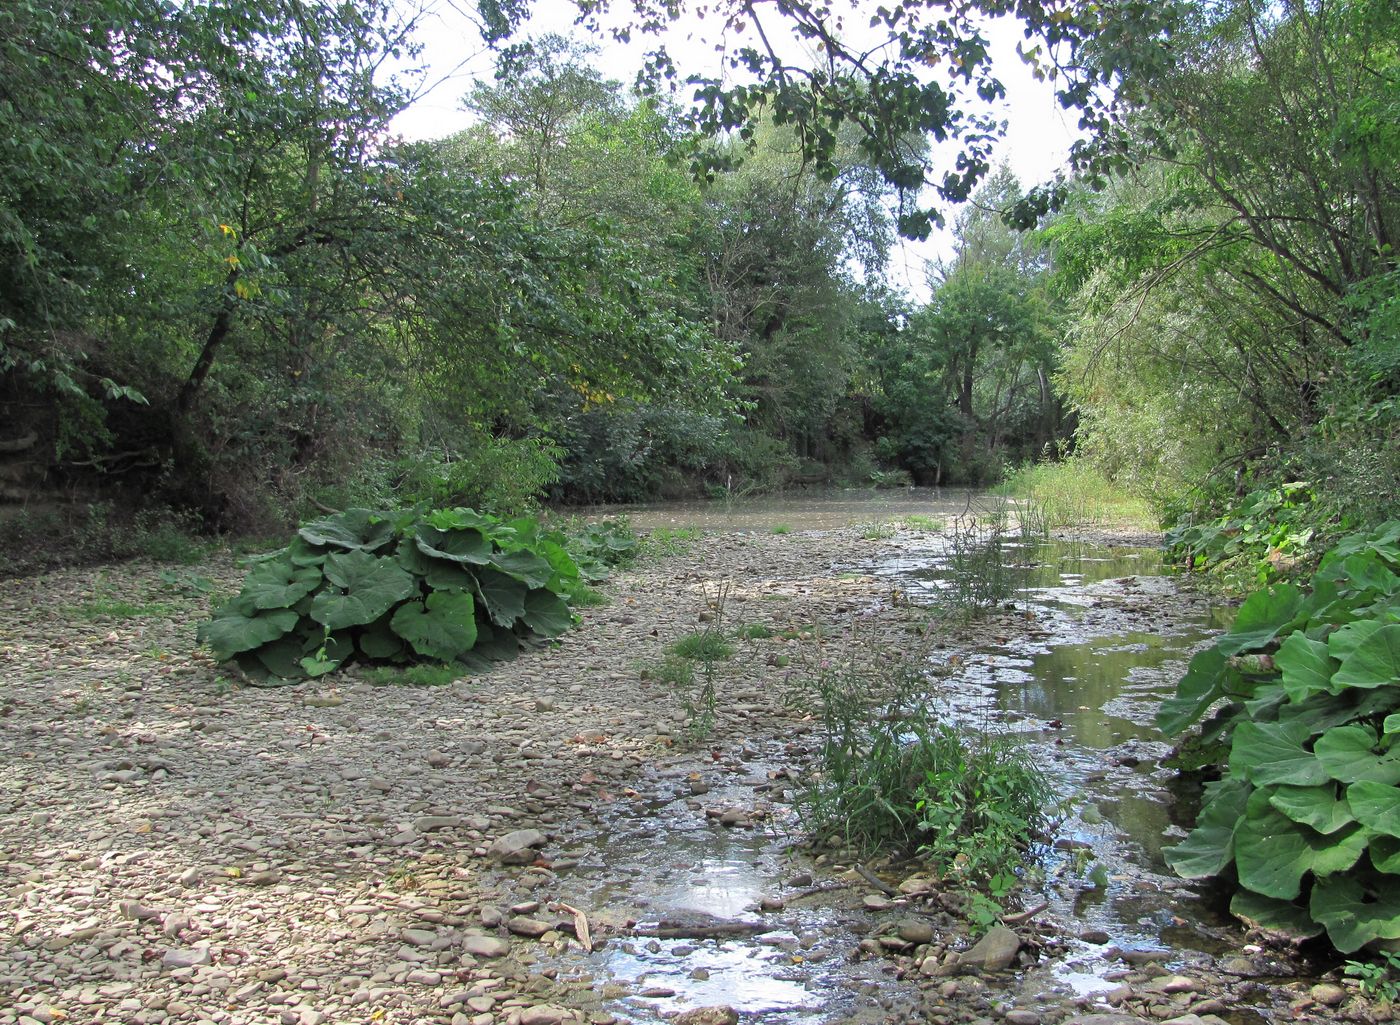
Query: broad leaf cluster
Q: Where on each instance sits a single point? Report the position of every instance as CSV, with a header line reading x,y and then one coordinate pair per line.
x,y
443,586
1307,810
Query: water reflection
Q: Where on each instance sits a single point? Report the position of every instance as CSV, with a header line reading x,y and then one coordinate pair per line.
x,y
802,510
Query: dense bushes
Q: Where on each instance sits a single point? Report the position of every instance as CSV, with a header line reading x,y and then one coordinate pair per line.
x,y
1306,814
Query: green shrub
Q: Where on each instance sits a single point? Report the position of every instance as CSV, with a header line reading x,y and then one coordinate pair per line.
x,y
1269,534
893,777
401,587
1307,812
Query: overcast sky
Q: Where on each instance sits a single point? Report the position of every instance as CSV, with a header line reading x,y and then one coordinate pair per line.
x,y
1038,138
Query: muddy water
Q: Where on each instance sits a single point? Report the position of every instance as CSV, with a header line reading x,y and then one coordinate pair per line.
x,y
1109,635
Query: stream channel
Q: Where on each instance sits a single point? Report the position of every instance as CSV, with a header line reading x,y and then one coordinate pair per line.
x,y
1107,633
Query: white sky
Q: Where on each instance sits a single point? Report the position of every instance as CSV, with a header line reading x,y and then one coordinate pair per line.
x,y
1039,132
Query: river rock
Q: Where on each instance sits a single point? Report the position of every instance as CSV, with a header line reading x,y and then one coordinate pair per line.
x,y
544,1014
1106,1019
1329,994
1021,1016
915,930
719,1015
485,946
992,952
516,848
532,927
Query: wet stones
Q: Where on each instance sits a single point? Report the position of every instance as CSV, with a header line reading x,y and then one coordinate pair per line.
x,y
993,952
516,848
478,945
719,1015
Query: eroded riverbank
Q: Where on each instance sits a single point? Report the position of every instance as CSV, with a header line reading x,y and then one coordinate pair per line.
x,y
179,849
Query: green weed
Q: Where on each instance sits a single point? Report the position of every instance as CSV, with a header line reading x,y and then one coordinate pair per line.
x,y
927,524
111,608
585,597
876,531
754,632
1380,979
781,528
891,777
423,675
702,646
664,541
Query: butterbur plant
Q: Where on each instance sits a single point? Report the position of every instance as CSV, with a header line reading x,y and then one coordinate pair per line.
x,y
442,586
1306,814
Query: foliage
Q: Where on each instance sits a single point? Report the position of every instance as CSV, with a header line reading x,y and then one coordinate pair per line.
x,y
702,646
441,586
665,541
969,804
1380,979
1268,534
1306,809
917,71
1073,493
976,574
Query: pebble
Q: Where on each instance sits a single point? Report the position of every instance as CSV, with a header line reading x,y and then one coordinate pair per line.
x,y
1328,994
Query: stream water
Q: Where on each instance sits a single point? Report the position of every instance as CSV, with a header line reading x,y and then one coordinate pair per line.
x,y
1109,635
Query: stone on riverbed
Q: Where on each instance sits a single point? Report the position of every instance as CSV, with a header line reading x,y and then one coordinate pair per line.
x,y
516,848
707,1016
992,952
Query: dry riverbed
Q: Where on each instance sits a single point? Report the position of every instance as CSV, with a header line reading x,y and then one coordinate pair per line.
x,y
177,848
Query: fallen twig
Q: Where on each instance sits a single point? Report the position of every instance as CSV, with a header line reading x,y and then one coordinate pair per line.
x,y
692,931
875,881
1024,916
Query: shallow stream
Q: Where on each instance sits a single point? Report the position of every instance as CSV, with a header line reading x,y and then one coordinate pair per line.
x,y
1108,635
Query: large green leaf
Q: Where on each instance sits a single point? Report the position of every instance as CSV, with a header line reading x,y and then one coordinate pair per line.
x,y
1306,666
379,642
1260,619
354,529
1376,806
1354,913
565,570
443,627
503,596
449,576
527,566
459,518
303,554
1342,641
1211,845
361,588
1266,753
280,584
1200,688
1349,754
1318,807
1385,854
1277,916
1273,853
467,545
1375,662
546,613
232,632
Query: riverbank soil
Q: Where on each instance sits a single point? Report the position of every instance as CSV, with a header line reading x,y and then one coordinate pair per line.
x,y
180,848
